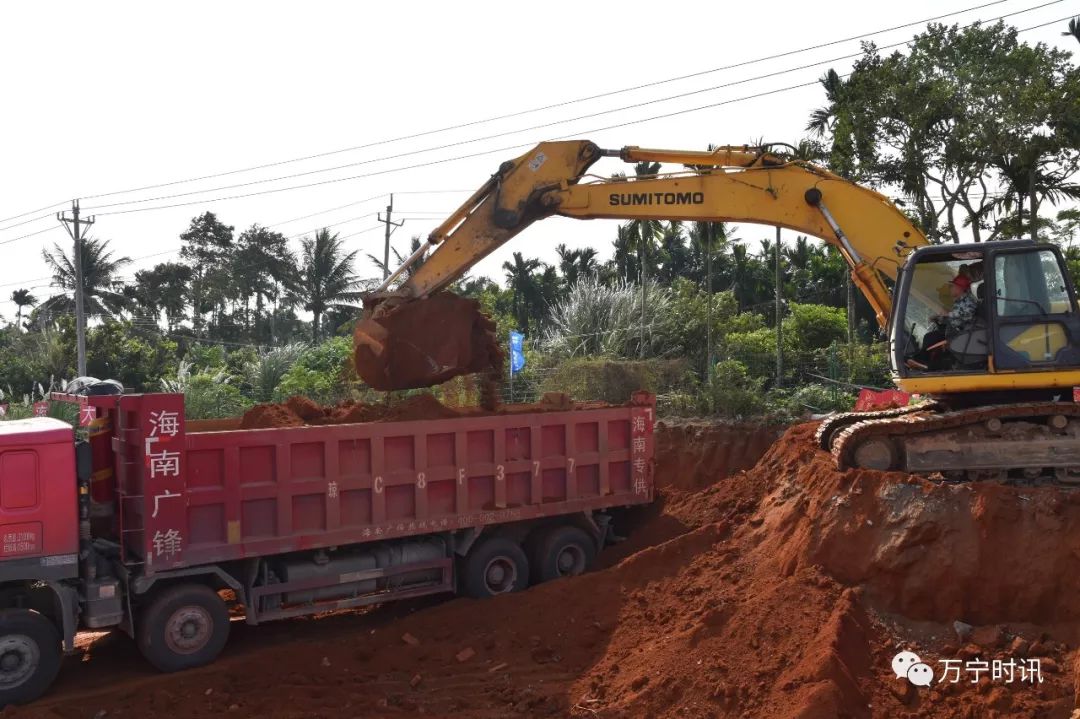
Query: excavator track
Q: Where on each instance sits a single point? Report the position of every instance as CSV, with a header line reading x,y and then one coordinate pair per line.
x,y
1039,440
831,426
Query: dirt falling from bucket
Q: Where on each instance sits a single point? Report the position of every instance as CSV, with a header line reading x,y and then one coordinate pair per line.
x,y
425,342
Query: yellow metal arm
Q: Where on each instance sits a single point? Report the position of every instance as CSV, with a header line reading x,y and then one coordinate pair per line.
x,y
731,184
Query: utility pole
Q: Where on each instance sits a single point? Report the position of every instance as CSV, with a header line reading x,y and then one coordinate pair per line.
x,y
389,231
710,238
779,314
75,230
850,319
644,279
1034,208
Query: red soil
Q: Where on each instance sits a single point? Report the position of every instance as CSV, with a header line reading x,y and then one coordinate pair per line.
x,y
297,411
425,342
780,592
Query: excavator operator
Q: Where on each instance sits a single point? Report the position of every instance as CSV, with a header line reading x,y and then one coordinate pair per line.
x,y
960,318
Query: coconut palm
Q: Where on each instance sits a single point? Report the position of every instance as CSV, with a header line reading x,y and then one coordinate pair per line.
x,y
524,286
22,298
261,265
414,245
102,293
326,279
577,264
823,118
1074,28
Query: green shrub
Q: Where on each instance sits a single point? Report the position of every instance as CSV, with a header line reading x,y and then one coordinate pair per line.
x,y
323,373
615,380
811,398
734,393
208,398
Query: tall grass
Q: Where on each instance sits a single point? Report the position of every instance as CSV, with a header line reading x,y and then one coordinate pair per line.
x,y
596,319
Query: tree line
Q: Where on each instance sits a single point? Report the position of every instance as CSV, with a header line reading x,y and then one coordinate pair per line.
x,y
975,133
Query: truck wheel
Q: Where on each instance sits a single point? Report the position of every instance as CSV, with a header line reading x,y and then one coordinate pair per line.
x,y
496,566
29,655
185,626
563,552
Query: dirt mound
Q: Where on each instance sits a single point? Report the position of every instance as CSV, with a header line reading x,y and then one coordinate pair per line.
x,y
297,411
270,415
306,409
780,592
694,455
425,342
980,552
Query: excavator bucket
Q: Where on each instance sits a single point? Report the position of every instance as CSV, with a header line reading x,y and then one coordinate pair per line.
x,y
419,343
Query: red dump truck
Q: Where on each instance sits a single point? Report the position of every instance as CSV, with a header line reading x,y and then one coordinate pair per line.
x,y
166,530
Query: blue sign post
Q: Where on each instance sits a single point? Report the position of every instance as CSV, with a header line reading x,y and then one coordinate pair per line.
x,y
517,357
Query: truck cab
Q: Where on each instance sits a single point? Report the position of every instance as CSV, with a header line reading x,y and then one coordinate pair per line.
x,y
39,551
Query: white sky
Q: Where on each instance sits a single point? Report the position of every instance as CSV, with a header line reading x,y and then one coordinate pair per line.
x,y
101,97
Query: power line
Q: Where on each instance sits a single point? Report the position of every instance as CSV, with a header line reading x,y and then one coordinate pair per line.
x,y
30,212
23,237
504,134
27,222
551,106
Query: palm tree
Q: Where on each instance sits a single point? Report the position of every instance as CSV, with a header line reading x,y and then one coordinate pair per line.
x,y
326,278
22,298
587,266
165,287
742,276
823,119
1031,177
1074,28
567,263
524,286
623,263
643,234
674,252
261,264
102,296
414,245
575,265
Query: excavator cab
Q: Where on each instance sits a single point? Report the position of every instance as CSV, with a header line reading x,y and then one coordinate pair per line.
x,y
977,309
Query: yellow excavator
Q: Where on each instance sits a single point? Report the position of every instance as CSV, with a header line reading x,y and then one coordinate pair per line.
x,y
999,390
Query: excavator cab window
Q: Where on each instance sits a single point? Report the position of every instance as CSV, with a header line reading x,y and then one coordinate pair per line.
x,y
1003,308
945,318
1034,310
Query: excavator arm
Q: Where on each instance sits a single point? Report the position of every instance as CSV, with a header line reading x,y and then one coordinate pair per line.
x,y
731,184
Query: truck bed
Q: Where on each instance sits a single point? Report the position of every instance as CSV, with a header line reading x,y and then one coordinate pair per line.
x,y
188,498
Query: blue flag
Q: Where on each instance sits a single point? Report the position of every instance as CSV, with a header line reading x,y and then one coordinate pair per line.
x,y
517,351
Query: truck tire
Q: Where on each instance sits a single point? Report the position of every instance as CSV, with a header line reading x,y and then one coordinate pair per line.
x,y
562,552
183,627
29,655
495,566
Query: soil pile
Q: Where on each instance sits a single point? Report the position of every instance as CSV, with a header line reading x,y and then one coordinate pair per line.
x,y
780,592
298,411
425,342
694,455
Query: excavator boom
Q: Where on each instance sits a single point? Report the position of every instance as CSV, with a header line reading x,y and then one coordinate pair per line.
x,y
736,184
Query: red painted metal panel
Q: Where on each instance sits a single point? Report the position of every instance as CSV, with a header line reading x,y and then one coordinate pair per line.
x,y
191,498
38,489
